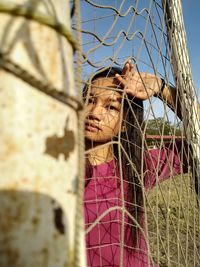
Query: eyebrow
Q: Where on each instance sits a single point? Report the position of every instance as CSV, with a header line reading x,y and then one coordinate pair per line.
x,y
114,99
114,86
118,99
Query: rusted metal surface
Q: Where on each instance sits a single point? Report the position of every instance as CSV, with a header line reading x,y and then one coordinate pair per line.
x,y
64,145
38,145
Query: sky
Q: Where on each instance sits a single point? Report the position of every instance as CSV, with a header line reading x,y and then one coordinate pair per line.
x,y
191,13
100,22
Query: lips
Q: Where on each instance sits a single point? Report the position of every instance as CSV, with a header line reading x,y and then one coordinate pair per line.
x,y
92,127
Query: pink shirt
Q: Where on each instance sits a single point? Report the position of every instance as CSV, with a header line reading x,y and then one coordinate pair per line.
x,y
103,192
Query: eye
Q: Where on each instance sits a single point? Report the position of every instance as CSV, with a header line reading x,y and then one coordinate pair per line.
x,y
91,100
113,108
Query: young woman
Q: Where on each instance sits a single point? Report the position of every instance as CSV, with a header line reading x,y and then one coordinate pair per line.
x,y
115,177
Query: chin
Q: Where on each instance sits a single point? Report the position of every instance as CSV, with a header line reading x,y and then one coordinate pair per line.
x,y
94,139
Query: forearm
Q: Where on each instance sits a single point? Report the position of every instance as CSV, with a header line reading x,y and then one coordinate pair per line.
x,y
170,95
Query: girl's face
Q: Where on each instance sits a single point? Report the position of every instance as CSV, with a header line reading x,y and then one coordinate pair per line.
x,y
103,111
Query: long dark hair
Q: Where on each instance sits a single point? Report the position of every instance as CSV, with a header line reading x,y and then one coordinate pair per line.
x,y
131,141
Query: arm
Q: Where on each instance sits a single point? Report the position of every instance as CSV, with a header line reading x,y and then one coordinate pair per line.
x,y
169,95
143,86
146,85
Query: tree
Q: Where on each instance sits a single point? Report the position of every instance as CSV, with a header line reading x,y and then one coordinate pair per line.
x,y
159,126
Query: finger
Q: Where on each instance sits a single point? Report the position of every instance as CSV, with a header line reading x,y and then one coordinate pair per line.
x,y
127,66
121,80
131,92
131,66
140,94
125,70
129,70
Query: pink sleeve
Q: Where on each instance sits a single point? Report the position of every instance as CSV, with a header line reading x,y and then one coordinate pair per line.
x,y
160,164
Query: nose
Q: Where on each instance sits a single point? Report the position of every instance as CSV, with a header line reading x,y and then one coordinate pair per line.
x,y
96,113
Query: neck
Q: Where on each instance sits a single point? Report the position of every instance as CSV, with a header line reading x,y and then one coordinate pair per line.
x,y
102,153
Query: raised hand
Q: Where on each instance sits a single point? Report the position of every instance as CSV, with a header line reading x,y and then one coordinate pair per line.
x,y
139,85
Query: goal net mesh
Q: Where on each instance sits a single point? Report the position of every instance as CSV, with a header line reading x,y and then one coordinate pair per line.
x,y
151,34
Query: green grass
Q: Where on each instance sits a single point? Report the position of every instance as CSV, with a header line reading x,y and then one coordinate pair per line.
x,y
174,223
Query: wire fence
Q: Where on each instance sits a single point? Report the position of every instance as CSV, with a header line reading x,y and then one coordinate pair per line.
x,y
153,188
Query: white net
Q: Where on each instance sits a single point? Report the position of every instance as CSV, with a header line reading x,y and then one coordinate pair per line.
x,y
142,142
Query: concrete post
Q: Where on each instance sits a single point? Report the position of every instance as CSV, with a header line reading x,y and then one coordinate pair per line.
x,y
38,142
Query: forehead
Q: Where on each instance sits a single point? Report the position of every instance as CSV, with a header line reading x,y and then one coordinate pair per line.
x,y
105,86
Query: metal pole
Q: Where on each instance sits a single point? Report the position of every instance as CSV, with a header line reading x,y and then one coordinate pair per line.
x,y
183,76
39,161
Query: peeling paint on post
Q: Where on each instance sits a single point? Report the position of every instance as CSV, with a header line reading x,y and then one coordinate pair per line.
x,y
64,145
38,150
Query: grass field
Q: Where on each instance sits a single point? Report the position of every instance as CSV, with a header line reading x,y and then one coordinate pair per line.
x,y
174,223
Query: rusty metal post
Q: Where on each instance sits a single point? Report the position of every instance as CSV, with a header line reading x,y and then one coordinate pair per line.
x,y
38,136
